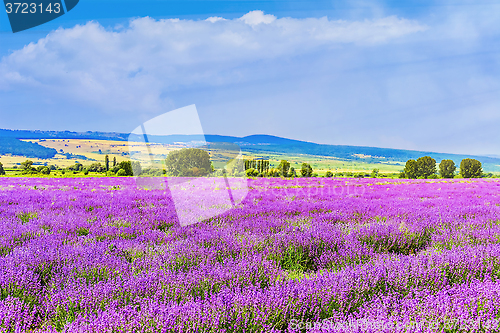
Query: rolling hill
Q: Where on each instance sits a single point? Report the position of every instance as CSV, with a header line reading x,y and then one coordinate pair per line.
x,y
257,144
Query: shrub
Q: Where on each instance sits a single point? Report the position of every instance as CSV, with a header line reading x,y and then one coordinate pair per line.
x,y
251,172
121,173
470,168
2,171
329,174
292,172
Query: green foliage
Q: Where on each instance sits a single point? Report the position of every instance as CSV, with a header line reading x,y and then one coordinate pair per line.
x,y
375,173
411,170
426,166
2,171
447,168
284,166
76,167
114,161
151,172
292,172
188,162
121,173
402,243
274,173
422,168
106,162
306,170
26,217
97,167
43,170
28,167
136,168
85,172
127,167
329,174
295,258
251,172
470,168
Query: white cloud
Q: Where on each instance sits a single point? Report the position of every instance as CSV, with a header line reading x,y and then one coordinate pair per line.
x,y
257,17
137,67
214,19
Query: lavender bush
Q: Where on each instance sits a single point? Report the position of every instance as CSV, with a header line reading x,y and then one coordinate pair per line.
x,y
370,255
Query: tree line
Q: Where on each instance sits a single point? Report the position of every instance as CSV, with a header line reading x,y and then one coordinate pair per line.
x,y
425,167
263,168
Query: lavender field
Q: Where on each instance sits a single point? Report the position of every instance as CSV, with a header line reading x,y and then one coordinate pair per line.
x,y
298,255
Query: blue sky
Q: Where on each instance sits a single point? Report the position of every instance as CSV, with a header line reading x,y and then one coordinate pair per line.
x,y
404,74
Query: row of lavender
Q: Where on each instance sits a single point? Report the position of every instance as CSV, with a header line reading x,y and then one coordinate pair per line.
x,y
100,255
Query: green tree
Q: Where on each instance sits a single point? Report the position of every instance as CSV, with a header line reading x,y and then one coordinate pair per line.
x,y
411,169
121,173
28,167
375,173
329,174
76,167
127,167
470,168
292,172
106,162
306,170
44,170
136,168
2,171
96,167
114,161
284,166
447,168
252,172
426,166
274,172
179,162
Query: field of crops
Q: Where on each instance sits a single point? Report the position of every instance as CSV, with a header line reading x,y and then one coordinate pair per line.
x,y
309,254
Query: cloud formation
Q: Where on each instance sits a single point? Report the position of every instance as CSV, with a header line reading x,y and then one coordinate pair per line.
x,y
137,68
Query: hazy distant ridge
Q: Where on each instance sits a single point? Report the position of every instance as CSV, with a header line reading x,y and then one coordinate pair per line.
x,y
265,144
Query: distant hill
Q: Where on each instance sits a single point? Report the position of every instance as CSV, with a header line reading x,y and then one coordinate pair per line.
x,y
265,144
17,147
